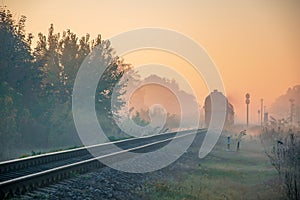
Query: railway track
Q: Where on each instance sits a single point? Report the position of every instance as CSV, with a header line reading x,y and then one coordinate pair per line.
x,y
26,174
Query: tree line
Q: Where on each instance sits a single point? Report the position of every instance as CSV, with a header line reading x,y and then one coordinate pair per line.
x,y
36,86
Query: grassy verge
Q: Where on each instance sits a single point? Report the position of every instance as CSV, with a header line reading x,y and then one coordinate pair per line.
x,y
223,174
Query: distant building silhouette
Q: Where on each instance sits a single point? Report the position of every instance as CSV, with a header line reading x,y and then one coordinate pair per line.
x,y
219,99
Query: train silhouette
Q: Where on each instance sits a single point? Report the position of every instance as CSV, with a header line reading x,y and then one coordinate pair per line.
x,y
219,98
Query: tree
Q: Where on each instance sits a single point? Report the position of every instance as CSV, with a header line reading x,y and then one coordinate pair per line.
x,y
8,118
36,85
17,79
60,58
281,108
15,52
109,83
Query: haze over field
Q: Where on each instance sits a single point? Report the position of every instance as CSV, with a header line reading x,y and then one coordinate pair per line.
x,y
254,43
128,83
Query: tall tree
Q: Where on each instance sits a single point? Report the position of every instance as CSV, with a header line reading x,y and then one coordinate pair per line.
x,y
17,80
36,85
15,52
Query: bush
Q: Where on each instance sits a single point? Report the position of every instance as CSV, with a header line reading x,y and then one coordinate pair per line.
x,y
283,150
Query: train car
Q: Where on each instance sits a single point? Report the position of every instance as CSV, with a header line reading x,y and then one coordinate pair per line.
x,y
219,98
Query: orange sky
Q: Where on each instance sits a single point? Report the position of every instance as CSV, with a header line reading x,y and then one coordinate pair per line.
x,y
254,43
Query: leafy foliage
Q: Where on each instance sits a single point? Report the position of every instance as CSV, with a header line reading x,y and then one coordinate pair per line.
x,y
36,86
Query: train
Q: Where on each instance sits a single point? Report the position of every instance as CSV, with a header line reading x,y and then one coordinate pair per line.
x,y
219,98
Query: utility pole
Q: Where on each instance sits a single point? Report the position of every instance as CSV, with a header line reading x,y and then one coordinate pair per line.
x,y
266,116
247,103
298,116
292,111
261,112
258,116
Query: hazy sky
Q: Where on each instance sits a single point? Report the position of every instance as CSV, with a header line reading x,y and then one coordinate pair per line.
x,y
254,43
